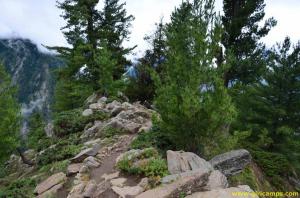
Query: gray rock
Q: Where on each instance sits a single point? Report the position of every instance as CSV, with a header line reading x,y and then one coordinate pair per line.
x,y
73,169
127,191
97,106
86,153
92,131
232,162
184,185
179,161
52,192
91,99
123,124
91,162
216,180
102,100
118,182
87,112
90,189
58,178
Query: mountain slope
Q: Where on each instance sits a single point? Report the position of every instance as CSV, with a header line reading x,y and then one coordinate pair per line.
x,y
31,71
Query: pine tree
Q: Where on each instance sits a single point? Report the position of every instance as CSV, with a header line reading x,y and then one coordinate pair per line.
x,y
194,106
114,30
241,39
9,114
141,86
272,110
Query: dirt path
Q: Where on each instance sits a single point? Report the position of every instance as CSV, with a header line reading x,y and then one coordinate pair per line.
x,y
108,162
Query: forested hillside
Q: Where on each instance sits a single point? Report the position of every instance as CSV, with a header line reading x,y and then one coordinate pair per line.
x,y
208,109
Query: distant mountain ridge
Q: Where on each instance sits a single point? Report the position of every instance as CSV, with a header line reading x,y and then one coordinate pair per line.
x,y
32,71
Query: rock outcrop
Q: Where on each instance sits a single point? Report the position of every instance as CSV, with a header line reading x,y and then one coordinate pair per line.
x,y
192,183
232,162
179,161
51,185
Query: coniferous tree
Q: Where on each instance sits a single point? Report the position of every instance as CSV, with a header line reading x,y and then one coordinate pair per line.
x,y
141,86
272,107
241,39
194,106
9,114
114,30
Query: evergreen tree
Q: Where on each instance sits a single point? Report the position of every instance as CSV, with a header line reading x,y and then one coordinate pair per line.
x,y
272,110
9,114
194,106
114,30
141,86
241,39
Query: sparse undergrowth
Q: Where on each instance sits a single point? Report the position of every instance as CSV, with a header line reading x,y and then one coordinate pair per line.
x,y
147,163
22,188
72,121
246,177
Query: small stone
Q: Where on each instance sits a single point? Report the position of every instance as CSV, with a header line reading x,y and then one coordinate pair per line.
x,y
96,106
128,191
84,169
118,182
144,183
91,162
110,176
87,112
90,189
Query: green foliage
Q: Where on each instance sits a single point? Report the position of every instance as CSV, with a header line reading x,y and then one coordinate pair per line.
x,y
150,164
114,30
273,164
22,188
55,167
194,106
63,150
154,138
36,132
110,132
9,114
72,121
70,93
241,38
246,177
141,87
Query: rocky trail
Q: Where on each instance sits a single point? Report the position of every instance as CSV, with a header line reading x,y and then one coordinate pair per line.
x,y
93,172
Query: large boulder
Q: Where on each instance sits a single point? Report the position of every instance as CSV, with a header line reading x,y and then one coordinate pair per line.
x,y
179,161
232,162
86,153
240,191
192,183
74,169
55,181
216,180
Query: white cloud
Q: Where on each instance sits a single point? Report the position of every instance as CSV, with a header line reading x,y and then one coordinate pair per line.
x,y
39,20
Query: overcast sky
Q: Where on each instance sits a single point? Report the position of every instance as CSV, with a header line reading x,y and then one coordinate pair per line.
x,y
39,20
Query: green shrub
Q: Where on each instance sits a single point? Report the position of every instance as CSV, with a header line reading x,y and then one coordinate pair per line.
x,y
246,177
274,165
22,188
110,132
64,149
72,121
55,167
154,138
151,164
